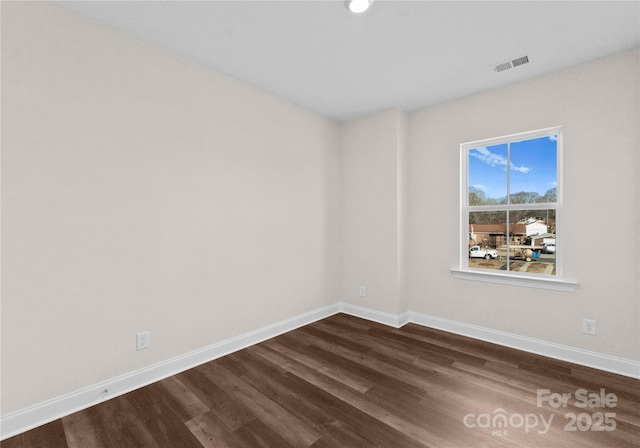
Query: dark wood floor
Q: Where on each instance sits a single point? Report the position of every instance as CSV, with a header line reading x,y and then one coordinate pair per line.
x,y
346,382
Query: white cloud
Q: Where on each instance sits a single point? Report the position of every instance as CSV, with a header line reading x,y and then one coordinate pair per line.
x,y
480,187
553,138
489,158
522,169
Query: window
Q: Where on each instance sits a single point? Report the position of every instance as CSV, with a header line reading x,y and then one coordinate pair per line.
x,y
511,208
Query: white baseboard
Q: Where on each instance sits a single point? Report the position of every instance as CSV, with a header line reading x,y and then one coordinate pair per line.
x,y
586,358
574,355
48,411
42,413
392,320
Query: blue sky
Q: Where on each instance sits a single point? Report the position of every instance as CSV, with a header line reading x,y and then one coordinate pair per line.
x,y
533,167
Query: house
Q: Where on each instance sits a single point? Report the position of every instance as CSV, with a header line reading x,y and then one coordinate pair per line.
x,y
145,192
540,239
494,235
487,235
532,227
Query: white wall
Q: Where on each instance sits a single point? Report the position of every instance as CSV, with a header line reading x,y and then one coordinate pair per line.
x,y
141,191
598,105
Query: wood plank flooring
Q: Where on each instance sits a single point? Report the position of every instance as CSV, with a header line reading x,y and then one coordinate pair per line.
x,y
346,382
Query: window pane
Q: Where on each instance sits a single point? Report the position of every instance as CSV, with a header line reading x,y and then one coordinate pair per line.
x,y
534,170
527,244
487,175
532,240
487,240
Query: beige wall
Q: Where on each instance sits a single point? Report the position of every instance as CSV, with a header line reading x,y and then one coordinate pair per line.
x,y
598,105
141,191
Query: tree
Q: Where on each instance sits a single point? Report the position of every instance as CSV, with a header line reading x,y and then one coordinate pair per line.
x,y
551,195
477,196
524,197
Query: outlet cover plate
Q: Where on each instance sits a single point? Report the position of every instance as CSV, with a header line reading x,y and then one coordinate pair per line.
x,y
142,340
589,326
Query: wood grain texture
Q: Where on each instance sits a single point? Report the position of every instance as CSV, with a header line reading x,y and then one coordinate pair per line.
x,y
347,382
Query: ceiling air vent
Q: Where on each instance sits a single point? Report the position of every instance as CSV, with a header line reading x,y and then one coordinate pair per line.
x,y
520,61
511,64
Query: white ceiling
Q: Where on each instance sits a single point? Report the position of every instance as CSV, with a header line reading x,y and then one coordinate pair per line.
x,y
407,54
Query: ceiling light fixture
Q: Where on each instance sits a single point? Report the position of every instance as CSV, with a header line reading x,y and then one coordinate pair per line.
x,y
358,6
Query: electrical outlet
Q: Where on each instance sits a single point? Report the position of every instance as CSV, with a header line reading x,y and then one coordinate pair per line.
x,y
142,340
589,326
363,291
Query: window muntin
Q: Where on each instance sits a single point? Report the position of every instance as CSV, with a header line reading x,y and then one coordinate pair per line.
x,y
511,204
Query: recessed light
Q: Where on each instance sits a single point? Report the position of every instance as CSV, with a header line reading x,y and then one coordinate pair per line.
x,y
358,6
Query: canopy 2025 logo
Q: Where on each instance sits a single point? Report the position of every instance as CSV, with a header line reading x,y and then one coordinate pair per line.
x,y
583,421
499,421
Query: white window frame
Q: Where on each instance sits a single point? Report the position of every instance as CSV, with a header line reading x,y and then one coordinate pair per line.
x,y
553,282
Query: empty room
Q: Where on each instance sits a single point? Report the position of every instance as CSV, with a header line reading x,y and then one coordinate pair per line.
x,y
317,224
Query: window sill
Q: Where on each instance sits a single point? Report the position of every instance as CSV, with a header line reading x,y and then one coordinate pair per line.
x,y
515,280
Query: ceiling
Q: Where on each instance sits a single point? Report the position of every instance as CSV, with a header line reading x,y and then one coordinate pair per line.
x,y
406,54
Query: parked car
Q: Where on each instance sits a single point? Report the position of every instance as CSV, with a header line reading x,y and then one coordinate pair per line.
x,y
478,252
549,248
